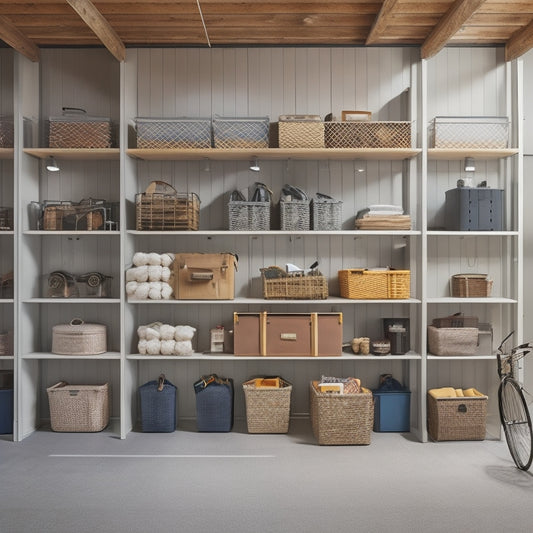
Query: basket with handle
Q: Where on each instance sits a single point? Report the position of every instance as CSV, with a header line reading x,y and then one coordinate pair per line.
x,y
158,406
76,129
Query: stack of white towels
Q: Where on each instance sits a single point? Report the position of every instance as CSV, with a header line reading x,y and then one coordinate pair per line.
x,y
163,339
149,278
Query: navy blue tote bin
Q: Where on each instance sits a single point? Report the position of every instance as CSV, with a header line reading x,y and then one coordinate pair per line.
x,y
158,406
214,404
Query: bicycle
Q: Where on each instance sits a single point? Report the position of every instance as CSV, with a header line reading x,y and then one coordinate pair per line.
x,y
514,413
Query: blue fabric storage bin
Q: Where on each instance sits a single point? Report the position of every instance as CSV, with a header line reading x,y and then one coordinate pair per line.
x,y
158,407
392,411
6,411
214,407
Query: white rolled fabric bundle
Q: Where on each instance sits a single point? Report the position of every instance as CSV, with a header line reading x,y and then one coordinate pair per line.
x,y
154,293
168,347
167,332
139,274
154,272
166,291
167,259
184,333
183,348
140,259
131,287
152,332
142,346
154,259
153,347
165,273
142,290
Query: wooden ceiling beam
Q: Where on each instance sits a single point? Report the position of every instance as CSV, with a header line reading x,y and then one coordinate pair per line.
x,y
449,25
381,21
520,42
12,36
100,26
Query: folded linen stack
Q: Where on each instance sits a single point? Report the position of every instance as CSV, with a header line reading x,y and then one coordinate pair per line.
x,y
149,278
382,216
450,392
164,339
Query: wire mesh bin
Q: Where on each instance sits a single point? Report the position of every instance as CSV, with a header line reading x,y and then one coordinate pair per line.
x,y
326,214
268,405
214,404
294,215
173,132
162,208
78,408
158,406
6,132
470,132
248,216
341,418
76,129
368,134
240,132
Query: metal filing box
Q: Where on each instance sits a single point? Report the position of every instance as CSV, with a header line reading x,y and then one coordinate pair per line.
x,y
474,209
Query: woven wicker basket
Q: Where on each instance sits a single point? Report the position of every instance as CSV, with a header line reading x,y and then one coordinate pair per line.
x,y
341,418
310,287
471,286
161,208
267,409
452,341
326,215
248,216
78,338
76,129
368,134
6,132
357,283
295,215
300,134
78,408
457,418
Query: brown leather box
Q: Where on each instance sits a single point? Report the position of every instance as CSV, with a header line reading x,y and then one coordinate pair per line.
x,y
200,276
287,334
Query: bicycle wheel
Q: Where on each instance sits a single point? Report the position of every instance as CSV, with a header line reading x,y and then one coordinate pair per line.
x,y
516,422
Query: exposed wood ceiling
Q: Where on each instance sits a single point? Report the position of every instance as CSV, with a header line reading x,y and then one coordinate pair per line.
x,y
117,24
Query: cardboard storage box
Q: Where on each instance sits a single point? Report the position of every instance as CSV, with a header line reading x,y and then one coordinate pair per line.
x,y
287,334
474,209
200,276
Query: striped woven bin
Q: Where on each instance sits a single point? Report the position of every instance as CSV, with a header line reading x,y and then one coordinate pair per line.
x,y
341,418
267,406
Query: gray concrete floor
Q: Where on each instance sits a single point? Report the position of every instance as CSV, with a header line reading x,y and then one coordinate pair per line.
x,y
236,482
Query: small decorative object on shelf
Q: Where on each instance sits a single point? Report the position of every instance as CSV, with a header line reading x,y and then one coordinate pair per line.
x,y
396,330
164,339
76,129
162,208
62,284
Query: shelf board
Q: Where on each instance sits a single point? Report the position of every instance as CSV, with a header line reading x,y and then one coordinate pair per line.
x,y
460,357
7,357
7,153
231,357
7,232
75,154
332,300
71,301
70,232
473,233
239,154
7,300
48,355
451,300
454,154
352,233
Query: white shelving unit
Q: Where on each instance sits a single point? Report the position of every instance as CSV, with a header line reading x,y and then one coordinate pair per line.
x,y
392,82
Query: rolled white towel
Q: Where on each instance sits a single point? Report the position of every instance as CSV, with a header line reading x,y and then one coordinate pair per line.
x,y
140,259
166,291
142,346
167,332
167,347
155,290
131,287
141,273
184,333
141,332
154,272
183,348
152,333
142,291
165,273
153,347
154,259
167,259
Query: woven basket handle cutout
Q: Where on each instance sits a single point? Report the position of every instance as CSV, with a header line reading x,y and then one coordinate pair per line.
x,y
161,382
160,187
76,322
73,111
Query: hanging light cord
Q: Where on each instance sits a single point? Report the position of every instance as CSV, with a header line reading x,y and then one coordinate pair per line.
x,y
203,22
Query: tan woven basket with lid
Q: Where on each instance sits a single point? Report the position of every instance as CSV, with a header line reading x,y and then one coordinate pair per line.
x,y
471,286
267,408
78,408
79,338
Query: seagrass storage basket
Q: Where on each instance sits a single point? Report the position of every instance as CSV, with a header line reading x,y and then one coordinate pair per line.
x,y
6,132
294,215
326,215
78,338
162,208
452,341
368,134
267,407
76,129
158,406
300,131
241,132
294,287
164,133
457,418
341,418
78,408
471,286
248,216
358,283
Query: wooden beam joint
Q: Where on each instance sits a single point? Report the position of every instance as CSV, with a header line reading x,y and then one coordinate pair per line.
x,y
12,36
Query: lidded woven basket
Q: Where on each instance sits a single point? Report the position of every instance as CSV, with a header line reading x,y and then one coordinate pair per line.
x,y
79,338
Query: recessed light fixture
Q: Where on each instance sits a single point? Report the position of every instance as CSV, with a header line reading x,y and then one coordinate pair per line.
x,y
254,165
207,165
470,165
51,165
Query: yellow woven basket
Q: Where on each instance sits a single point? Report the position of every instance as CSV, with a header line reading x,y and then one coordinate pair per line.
x,y
358,283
